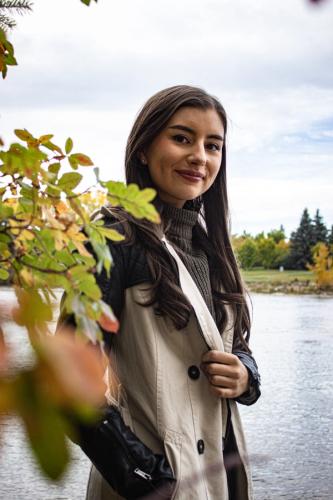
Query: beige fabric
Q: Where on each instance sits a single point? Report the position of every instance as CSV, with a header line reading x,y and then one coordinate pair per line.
x,y
168,410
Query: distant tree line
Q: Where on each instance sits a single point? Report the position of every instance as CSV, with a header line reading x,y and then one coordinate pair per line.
x,y
273,250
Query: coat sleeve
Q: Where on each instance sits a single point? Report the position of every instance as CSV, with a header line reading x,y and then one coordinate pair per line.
x,y
252,395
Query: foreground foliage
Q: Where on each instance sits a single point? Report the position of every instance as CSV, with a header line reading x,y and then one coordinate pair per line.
x,y
48,240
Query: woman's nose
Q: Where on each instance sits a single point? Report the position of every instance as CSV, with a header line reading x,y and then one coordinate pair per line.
x,y
198,154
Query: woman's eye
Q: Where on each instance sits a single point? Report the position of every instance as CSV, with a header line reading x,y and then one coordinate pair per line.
x,y
213,147
181,138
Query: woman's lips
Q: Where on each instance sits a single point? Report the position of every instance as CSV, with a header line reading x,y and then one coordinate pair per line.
x,y
190,176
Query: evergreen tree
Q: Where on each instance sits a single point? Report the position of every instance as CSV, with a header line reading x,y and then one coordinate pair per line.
x,y
8,7
319,228
330,236
301,242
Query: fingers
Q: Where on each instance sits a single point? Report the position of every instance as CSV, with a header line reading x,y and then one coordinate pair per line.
x,y
225,382
232,371
226,358
227,376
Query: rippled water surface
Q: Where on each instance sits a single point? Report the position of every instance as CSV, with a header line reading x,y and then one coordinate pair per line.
x,y
289,430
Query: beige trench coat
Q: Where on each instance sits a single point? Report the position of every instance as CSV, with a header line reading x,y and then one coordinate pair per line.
x,y
169,411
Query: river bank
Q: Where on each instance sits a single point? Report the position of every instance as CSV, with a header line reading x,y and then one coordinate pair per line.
x,y
283,282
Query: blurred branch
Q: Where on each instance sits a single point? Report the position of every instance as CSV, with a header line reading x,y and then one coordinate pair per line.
x,y
10,7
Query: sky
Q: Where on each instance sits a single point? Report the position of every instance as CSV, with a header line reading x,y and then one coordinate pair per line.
x,y
85,73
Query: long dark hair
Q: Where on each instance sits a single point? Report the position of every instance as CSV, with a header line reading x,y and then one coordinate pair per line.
x,y
213,236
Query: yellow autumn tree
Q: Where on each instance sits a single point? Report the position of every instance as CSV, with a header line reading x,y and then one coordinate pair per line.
x,y
323,265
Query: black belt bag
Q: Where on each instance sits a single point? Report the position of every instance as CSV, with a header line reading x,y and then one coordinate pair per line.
x,y
128,465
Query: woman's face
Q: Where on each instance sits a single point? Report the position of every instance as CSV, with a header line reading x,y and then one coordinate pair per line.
x,y
184,159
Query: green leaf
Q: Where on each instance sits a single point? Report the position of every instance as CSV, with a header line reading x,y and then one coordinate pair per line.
x,y
26,191
132,192
73,162
53,147
4,70
69,180
45,426
87,2
54,168
6,212
4,275
78,271
32,309
90,289
115,188
10,60
4,238
146,195
68,145
9,47
24,135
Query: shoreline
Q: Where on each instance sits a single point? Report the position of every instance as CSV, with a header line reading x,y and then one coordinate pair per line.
x,y
295,287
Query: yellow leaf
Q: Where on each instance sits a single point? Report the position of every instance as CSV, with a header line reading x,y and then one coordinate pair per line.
x,y
26,235
45,138
75,234
60,240
81,248
26,276
61,207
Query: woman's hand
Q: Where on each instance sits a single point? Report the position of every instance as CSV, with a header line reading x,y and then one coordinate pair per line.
x,y
227,375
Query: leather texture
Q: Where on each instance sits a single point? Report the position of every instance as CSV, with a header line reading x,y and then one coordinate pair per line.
x,y
128,465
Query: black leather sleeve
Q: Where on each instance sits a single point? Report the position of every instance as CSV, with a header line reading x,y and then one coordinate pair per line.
x,y
252,395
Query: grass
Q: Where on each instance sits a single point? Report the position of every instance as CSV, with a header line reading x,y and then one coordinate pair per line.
x,y
259,275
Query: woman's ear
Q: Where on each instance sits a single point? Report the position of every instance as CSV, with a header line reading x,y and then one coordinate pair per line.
x,y
142,158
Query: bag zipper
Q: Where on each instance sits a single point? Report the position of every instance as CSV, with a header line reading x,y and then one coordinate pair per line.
x,y
142,474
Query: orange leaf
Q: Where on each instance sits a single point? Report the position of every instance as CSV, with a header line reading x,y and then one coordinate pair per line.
x,y
107,319
76,367
82,159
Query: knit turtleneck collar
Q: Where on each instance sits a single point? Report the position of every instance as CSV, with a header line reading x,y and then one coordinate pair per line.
x,y
179,221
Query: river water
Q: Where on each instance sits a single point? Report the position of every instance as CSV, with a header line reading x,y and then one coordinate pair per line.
x,y
289,430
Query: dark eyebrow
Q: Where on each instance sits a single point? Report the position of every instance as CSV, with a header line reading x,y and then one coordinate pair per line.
x,y
191,131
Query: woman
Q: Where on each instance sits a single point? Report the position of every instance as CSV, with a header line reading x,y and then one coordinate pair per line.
x,y
179,393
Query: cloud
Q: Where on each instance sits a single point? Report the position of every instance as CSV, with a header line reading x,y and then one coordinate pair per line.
x,y
85,72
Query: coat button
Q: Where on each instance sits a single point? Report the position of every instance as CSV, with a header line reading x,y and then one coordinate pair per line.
x,y
193,372
200,446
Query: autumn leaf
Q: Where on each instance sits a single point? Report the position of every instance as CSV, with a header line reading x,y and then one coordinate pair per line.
x,y
75,367
24,135
81,159
107,319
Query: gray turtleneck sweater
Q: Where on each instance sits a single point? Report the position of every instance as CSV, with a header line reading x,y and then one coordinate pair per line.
x,y
179,227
